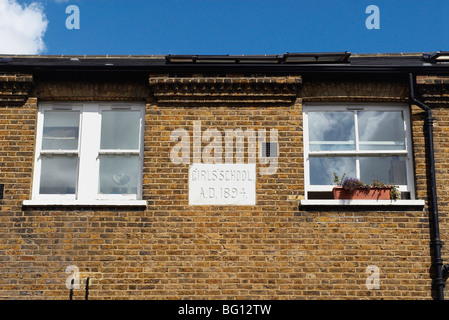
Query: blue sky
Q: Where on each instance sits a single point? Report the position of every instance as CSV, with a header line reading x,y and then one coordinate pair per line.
x,y
143,27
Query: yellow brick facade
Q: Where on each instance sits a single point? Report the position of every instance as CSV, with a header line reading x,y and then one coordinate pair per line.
x,y
170,250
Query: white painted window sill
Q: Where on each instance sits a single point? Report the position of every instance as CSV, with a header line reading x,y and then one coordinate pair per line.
x,y
412,203
96,203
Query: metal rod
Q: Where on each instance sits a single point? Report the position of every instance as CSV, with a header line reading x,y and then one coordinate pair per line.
x,y
71,289
87,289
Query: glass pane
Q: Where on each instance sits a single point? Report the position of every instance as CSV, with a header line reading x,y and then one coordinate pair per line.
x,y
119,174
381,130
331,131
61,130
120,129
58,174
322,169
390,170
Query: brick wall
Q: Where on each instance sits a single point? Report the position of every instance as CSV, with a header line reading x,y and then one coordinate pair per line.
x,y
170,250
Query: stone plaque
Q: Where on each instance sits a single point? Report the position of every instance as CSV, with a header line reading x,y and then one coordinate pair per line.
x,y
222,184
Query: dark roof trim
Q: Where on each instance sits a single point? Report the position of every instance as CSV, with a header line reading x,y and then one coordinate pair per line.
x,y
289,63
219,59
302,58
436,57
318,57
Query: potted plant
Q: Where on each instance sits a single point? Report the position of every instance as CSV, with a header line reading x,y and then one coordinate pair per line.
x,y
349,188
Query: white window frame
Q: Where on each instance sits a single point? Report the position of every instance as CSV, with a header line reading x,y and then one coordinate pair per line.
x,y
357,107
88,154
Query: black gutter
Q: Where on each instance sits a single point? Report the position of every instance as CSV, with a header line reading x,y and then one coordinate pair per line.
x,y
237,67
356,65
181,70
437,267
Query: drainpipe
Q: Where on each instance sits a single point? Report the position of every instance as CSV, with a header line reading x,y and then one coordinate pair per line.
x,y
438,282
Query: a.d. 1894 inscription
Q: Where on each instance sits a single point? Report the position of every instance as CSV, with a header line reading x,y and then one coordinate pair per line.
x,y
222,184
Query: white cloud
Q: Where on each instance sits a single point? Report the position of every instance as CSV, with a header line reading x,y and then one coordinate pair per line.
x,y
22,28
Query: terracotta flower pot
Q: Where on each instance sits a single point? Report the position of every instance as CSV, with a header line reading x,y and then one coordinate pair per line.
x,y
362,194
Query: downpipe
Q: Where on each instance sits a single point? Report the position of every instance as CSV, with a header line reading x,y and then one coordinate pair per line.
x,y
439,270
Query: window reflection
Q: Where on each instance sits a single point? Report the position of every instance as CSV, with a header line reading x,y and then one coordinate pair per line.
x,y
120,130
390,170
381,130
118,174
330,131
58,174
361,142
61,129
322,169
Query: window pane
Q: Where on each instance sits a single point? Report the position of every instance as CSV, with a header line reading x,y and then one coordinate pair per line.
x,y
322,169
381,130
119,174
331,131
58,174
120,129
61,130
390,170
